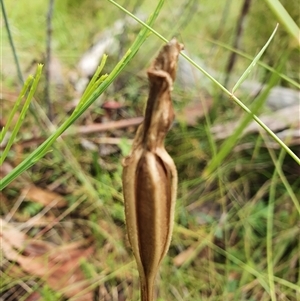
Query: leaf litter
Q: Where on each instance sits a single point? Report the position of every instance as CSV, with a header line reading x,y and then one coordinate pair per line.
x,y
58,266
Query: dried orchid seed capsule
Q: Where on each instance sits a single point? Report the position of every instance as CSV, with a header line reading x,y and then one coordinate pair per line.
x,y
150,176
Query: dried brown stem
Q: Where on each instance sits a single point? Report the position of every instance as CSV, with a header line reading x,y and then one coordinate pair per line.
x,y
236,44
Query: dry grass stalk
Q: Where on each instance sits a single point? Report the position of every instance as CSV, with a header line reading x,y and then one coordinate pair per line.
x,y
150,176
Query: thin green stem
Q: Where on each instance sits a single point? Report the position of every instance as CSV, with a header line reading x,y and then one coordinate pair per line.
x,y
269,238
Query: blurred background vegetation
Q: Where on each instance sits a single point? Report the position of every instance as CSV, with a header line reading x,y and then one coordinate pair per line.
x,y
237,231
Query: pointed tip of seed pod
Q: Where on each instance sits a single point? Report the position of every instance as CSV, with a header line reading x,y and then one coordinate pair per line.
x,y
174,42
167,58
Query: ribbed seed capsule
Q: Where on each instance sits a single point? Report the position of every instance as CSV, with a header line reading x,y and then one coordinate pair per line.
x,y
150,176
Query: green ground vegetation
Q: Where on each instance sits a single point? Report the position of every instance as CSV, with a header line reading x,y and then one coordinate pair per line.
x,y
236,234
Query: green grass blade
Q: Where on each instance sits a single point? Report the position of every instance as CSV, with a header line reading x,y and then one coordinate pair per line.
x,y
252,65
269,237
286,283
44,147
283,179
22,114
16,106
285,19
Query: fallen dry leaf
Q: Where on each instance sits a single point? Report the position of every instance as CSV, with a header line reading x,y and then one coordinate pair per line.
x,y
5,169
10,235
182,257
111,105
44,197
58,266
35,296
195,110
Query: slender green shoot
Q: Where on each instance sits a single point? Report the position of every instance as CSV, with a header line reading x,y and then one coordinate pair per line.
x,y
93,84
253,63
24,110
22,94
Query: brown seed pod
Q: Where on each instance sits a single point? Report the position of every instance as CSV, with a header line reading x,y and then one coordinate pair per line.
x,y
150,176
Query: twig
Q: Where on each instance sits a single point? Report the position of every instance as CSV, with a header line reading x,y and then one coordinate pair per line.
x,y
48,59
101,127
236,43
